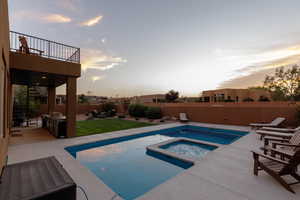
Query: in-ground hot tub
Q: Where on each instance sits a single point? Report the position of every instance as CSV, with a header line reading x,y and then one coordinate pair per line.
x,y
182,149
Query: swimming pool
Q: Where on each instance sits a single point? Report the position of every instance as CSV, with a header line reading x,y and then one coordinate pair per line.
x,y
125,165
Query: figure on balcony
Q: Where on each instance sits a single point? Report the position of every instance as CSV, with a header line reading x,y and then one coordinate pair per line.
x,y
24,48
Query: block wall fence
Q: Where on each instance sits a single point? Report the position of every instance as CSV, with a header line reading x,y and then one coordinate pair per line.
x,y
233,113
217,113
81,108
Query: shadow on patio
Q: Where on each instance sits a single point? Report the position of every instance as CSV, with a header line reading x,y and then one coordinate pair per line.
x,y
30,135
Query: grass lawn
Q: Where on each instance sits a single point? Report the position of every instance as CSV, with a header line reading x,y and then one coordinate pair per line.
x,y
90,127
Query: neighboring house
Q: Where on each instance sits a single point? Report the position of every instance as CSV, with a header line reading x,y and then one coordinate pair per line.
x,y
120,100
153,98
188,99
234,95
95,99
61,99
101,99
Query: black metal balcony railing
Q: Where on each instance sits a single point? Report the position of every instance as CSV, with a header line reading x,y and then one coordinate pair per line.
x,y
46,48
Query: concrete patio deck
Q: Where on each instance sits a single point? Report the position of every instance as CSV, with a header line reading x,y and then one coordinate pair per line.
x,y
31,135
225,173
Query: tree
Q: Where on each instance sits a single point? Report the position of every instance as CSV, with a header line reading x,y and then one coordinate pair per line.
x,y
82,99
278,95
172,95
284,83
27,105
20,95
258,88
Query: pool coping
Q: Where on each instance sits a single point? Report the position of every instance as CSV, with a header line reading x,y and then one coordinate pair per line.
x,y
157,149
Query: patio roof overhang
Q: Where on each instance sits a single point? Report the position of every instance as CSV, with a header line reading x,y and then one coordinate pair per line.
x,y
32,78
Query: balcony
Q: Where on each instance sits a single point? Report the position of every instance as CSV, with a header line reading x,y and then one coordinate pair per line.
x,y
32,59
45,48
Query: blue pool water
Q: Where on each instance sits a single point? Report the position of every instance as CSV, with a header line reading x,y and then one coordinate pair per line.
x,y
129,170
189,149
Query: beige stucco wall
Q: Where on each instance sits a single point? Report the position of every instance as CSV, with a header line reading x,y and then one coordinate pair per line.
x,y
241,93
4,69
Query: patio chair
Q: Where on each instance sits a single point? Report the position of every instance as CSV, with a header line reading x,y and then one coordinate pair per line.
x,y
277,168
94,113
287,146
276,122
183,117
283,130
24,48
264,133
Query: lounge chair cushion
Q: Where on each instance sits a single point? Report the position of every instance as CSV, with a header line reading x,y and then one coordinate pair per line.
x,y
287,130
273,133
274,123
261,125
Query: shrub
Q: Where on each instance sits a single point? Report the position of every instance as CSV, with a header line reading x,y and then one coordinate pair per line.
x,y
153,113
298,114
263,98
229,100
109,108
248,99
137,110
172,95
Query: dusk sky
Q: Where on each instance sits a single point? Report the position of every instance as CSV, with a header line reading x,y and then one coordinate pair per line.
x,y
136,47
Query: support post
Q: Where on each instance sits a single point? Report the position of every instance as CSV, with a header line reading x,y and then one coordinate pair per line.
x,y
51,99
27,106
71,106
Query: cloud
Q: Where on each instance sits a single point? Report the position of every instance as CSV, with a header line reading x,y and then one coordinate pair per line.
x,y
57,18
97,59
92,21
254,67
43,17
245,81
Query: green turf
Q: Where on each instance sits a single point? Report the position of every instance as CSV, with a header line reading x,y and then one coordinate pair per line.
x,y
90,127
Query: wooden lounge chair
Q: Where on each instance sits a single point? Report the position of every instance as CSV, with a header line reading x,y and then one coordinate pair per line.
x,y
276,122
183,117
283,130
24,48
264,133
277,168
287,146
293,139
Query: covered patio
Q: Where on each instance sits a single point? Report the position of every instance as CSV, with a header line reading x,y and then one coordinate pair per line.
x,y
57,64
